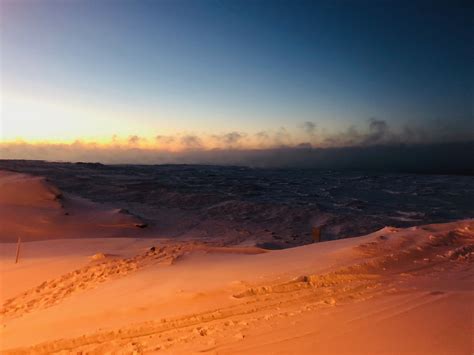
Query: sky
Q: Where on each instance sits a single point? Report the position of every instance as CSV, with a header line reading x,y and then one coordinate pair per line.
x,y
213,74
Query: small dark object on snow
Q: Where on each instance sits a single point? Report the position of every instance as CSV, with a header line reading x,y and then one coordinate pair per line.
x,y
316,234
141,225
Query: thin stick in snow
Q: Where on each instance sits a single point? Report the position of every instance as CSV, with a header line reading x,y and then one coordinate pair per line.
x,y
18,250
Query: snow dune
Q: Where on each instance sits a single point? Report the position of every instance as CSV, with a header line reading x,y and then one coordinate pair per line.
x,y
34,209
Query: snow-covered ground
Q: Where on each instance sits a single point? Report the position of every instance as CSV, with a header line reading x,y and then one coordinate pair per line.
x,y
90,278
394,291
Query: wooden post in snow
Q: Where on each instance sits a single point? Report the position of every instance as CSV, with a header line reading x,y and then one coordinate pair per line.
x,y
316,234
18,250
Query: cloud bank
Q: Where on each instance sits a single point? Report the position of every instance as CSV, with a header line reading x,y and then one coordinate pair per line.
x,y
377,147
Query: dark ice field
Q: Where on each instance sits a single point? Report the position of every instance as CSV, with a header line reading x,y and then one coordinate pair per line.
x,y
273,208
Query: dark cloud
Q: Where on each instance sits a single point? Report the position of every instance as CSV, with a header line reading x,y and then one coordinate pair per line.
x,y
230,140
310,128
378,131
278,138
232,137
191,142
133,140
164,139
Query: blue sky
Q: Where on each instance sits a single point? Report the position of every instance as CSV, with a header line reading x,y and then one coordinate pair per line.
x,y
76,69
